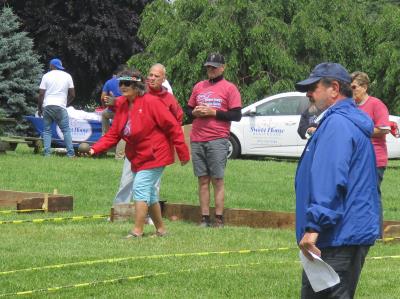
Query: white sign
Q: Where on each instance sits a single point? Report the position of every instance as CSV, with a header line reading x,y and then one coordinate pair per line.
x,y
80,130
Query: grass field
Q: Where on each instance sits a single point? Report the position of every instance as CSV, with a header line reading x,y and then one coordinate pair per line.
x,y
165,267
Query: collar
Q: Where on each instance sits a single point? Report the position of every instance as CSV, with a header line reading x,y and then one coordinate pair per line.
x,y
318,119
216,79
162,91
363,102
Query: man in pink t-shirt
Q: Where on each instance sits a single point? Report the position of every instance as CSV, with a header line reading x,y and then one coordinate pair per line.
x,y
214,103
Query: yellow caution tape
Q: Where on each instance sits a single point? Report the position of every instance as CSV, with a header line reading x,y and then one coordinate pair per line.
x,y
130,278
119,279
159,256
137,277
20,211
57,219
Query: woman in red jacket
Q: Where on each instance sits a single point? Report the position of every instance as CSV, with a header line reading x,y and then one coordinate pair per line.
x,y
148,128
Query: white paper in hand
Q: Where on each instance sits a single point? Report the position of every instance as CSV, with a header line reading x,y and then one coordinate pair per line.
x,y
319,273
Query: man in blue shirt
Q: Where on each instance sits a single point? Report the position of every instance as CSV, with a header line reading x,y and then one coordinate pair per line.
x,y
108,96
337,204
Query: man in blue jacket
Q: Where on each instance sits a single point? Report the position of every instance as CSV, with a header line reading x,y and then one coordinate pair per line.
x,y
337,205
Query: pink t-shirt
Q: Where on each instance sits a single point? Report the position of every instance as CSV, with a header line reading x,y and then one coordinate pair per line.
x,y
379,114
222,95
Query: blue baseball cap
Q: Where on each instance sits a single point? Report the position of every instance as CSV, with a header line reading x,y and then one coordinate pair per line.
x,y
57,63
324,70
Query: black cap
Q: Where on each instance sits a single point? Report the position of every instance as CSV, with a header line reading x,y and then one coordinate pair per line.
x,y
215,60
324,70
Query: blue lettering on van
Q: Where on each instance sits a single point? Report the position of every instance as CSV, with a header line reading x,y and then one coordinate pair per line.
x,y
270,131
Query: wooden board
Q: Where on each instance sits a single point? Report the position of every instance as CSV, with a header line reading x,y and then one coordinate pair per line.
x,y
122,212
234,217
34,200
392,231
56,203
11,198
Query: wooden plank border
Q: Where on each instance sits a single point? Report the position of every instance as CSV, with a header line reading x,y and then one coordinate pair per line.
x,y
234,217
34,200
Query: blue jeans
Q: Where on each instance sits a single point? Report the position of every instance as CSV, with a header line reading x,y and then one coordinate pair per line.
x,y
52,113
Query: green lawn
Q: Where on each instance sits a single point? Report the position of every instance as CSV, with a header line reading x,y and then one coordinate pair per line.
x,y
250,184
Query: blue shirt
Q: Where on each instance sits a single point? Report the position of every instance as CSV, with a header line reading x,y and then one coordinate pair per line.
x,y
112,85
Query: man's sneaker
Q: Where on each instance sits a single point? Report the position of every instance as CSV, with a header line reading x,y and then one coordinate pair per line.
x,y
205,222
219,222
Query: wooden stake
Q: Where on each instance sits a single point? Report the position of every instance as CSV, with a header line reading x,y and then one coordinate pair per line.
x,y
45,205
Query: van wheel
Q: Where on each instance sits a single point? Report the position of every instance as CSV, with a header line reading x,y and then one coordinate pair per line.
x,y
234,148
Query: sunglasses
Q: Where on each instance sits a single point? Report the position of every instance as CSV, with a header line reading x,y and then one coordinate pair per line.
x,y
312,87
125,83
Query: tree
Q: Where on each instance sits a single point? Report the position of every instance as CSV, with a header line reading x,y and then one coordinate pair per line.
x,y
252,35
91,37
330,31
362,35
20,71
382,64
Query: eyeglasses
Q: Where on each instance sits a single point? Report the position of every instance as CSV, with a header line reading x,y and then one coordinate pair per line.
x,y
125,83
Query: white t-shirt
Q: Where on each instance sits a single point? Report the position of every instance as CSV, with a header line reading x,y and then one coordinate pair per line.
x,y
56,83
167,86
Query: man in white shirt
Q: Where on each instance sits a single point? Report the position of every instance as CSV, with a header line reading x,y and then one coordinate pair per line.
x,y
56,92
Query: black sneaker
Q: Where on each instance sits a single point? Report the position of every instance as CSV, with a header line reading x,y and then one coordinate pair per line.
x,y
219,222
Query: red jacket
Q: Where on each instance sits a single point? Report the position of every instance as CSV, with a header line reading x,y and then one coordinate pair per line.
x,y
169,100
152,128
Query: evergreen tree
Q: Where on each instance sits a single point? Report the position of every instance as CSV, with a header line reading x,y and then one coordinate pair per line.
x,y
91,37
20,71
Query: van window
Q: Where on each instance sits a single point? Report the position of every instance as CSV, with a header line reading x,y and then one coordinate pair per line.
x,y
283,106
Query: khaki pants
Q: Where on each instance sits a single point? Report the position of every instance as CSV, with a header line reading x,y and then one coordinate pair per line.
x,y
106,116
120,150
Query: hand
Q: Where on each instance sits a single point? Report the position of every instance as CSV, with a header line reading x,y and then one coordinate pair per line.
x,y
307,243
109,100
196,111
184,162
311,130
204,111
89,153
